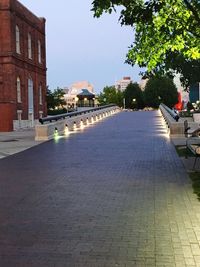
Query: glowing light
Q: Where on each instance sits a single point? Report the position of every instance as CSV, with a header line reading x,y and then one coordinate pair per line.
x,y
66,132
81,125
74,126
56,134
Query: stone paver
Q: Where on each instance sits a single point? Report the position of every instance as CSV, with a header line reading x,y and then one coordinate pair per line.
x,y
115,194
16,141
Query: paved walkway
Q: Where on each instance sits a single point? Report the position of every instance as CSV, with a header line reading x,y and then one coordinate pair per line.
x,y
115,194
16,141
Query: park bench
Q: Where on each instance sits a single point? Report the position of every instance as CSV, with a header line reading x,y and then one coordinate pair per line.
x,y
188,131
192,141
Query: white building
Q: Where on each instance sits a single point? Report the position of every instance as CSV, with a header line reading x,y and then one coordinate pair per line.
x,y
123,83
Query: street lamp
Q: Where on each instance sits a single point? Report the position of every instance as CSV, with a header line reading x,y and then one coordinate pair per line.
x,y
134,103
124,103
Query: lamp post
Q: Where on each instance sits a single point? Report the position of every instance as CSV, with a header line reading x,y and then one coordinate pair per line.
x,y
134,103
124,103
76,99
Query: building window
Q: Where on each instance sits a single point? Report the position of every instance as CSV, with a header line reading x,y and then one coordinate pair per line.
x,y
29,47
40,94
19,99
17,33
39,52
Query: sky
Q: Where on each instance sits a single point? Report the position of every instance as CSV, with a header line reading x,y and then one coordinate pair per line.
x,y
80,47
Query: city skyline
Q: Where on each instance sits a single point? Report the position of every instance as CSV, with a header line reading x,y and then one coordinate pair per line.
x,y
80,47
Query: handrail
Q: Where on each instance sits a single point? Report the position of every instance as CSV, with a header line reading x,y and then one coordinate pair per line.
x,y
72,114
174,115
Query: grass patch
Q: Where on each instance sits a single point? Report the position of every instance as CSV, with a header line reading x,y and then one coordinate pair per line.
x,y
195,177
182,151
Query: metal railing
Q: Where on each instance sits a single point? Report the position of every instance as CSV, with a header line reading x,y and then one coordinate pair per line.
x,y
72,114
174,115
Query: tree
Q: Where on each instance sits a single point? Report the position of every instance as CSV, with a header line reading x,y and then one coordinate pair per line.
x,y
188,69
160,90
134,96
111,95
162,29
55,99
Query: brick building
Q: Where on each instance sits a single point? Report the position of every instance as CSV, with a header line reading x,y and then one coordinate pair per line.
x,y
22,66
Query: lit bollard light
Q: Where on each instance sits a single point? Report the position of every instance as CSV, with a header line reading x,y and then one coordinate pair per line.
x,y
56,134
56,131
66,129
74,126
81,124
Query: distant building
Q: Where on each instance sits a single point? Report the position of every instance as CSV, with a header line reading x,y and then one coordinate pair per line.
x,y
86,99
76,87
194,92
74,90
123,83
66,90
22,66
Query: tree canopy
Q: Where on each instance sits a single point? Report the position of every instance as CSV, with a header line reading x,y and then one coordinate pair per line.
x,y
164,30
111,95
134,96
160,90
55,99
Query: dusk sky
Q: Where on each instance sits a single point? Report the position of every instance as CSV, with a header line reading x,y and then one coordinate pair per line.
x,y
80,47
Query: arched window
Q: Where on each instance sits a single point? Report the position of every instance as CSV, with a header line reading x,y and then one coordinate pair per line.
x,y
19,98
40,94
17,33
39,52
29,47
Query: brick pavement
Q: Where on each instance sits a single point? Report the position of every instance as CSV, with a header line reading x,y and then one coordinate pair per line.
x,y
115,194
17,141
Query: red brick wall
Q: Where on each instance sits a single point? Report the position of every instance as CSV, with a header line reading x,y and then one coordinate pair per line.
x,y
13,65
6,117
